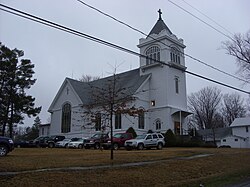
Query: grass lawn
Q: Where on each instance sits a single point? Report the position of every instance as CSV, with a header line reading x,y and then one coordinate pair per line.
x,y
222,167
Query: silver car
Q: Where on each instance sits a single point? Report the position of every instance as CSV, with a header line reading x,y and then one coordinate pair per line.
x,y
79,143
155,140
64,143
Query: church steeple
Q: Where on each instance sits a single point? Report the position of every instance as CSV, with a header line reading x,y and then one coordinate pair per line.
x,y
159,26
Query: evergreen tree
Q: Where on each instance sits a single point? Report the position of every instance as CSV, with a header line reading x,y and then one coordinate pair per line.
x,y
132,131
170,138
15,79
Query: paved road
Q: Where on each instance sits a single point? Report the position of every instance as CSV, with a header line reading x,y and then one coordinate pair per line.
x,y
244,183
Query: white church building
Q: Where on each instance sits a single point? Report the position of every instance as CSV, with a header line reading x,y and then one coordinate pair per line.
x,y
158,86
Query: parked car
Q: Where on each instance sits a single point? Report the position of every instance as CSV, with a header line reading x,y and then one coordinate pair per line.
x,y
96,140
118,140
40,141
51,142
22,144
77,143
6,145
64,143
155,140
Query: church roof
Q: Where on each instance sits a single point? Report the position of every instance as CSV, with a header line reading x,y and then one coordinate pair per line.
x,y
128,81
159,26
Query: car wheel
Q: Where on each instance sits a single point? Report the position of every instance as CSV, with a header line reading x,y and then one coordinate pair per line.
x,y
18,146
3,150
115,146
80,146
159,146
66,146
140,146
51,145
97,146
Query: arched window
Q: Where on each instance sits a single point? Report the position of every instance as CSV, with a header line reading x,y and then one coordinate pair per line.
x,y
118,121
158,124
175,55
176,80
153,54
141,121
66,118
98,122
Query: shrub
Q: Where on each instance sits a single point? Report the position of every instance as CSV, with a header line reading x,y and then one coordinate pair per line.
x,y
132,131
150,131
170,138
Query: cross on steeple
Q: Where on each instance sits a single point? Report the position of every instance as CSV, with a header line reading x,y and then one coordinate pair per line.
x,y
160,13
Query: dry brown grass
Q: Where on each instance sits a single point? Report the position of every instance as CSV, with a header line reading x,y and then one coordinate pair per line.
x,y
220,168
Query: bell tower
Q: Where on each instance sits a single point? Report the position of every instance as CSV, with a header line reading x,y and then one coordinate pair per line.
x,y
162,56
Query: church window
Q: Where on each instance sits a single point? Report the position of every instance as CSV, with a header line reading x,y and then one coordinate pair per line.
x,y
158,124
98,122
153,103
141,121
176,84
118,121
153,55
175,55
66,118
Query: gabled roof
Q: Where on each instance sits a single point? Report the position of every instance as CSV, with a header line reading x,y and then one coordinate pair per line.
x,y
239,122
159,26
129,81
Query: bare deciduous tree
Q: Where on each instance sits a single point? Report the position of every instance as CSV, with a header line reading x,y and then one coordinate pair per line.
x,y
108,98
232,107
88,78
240,49
205,106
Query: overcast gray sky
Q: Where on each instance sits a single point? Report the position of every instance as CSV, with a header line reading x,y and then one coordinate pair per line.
x,y
58,55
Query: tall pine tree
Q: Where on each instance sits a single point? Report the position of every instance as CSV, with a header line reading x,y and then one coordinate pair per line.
x,y
15,79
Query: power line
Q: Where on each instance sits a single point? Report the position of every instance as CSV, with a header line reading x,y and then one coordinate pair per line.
x,y
207,25
208,18
137,30
86,36
201,20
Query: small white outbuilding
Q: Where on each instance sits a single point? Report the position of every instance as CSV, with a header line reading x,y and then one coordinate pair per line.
x,y
240,137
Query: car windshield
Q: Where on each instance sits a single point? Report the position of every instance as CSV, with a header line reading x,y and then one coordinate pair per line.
x,y
78,140
66,140
141,136
117,135
97,135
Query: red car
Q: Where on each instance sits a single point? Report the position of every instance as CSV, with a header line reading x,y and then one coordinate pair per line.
x,y
118,140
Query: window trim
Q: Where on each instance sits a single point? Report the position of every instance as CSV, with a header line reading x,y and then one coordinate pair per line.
x,y
66,118
175,55
177,85
141,121
118,121
153,53
98,122
158,124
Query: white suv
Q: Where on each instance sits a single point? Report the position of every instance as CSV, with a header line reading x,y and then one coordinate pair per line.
x,y
146,141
